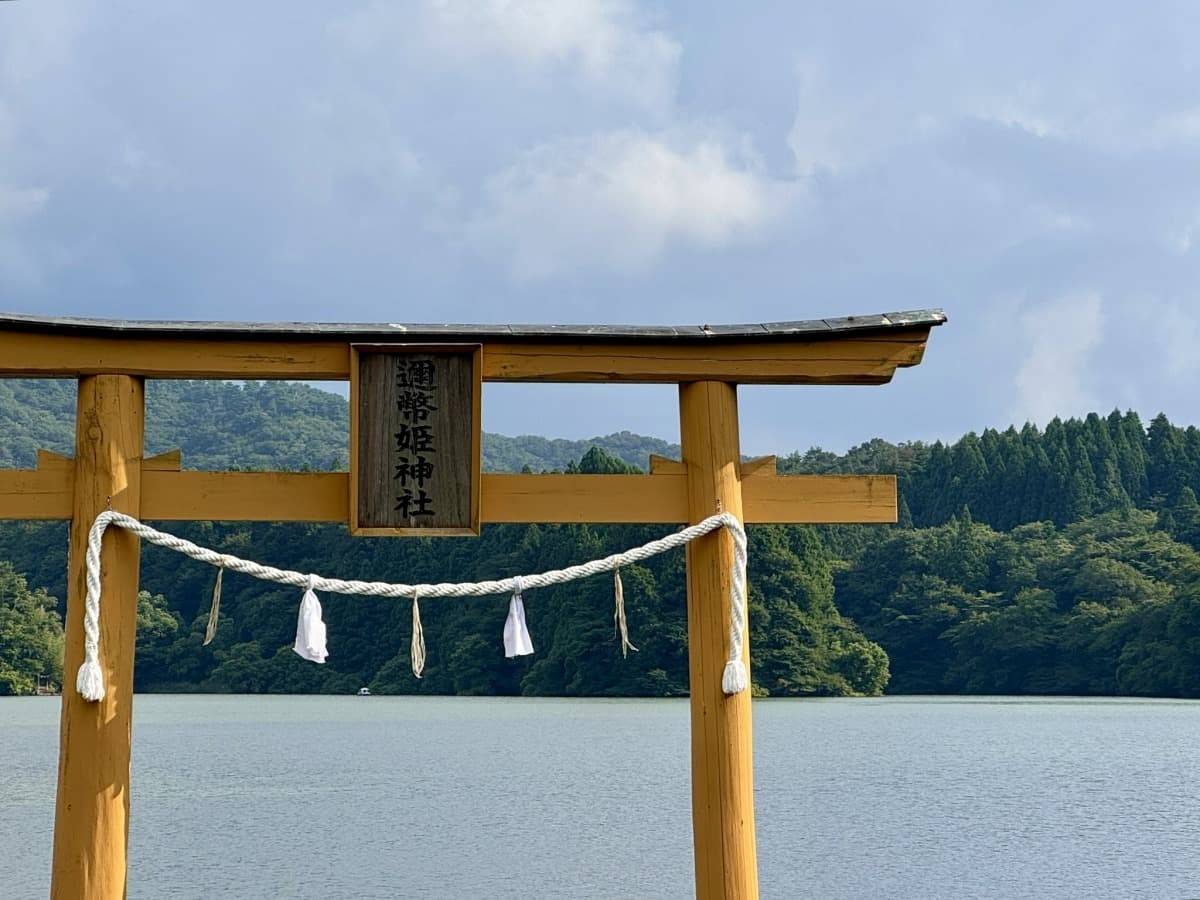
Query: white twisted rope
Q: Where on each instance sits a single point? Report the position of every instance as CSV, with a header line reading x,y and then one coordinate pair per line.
x,y
90,682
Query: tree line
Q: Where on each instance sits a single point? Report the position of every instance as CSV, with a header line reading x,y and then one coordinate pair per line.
x,y
1061,560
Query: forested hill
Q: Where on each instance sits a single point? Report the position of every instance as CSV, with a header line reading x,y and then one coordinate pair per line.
x,y
260,425
1072,470
1061,560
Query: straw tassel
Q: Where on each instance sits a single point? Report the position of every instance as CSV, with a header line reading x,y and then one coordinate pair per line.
x,y
619,614
418,640
210,631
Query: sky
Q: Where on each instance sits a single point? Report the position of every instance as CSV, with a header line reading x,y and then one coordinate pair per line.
x,y
1032,169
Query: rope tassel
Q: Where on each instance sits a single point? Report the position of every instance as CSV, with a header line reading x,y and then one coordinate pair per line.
x,y
310,629
210,631
516,633
90,681
619,614
418,640
735,678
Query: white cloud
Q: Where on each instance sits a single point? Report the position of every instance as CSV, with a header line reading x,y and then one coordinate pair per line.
x,y
607,41
1060,337
619,199
609,44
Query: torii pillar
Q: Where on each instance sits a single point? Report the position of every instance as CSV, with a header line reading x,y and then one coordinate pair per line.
x,y
722,757
91,831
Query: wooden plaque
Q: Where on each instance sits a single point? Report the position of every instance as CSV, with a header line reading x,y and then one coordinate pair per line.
x,y
415,439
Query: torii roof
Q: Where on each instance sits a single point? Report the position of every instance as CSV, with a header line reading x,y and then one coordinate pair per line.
x,y
806,329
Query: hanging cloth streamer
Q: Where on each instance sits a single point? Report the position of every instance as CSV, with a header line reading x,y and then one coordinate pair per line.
x,y
310,629
418,639
90,679
619,614
210,630
516,634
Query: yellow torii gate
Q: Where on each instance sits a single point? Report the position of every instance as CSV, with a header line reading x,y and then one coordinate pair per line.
x,y
111,360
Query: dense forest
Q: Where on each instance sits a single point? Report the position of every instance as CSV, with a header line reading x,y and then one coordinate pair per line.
x,y
1055,561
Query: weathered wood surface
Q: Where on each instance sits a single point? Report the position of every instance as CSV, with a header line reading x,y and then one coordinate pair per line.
x,y
246,496
171,461
47,492
854,359
91,825
857,360
722,756
415,449
862,350
170,495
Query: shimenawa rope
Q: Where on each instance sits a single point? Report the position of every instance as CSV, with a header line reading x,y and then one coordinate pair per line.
x,y
90,681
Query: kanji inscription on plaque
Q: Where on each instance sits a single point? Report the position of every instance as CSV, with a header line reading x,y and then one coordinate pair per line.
x,y
414,439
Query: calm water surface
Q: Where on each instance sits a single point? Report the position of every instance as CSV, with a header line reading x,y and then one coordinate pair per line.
x,y
329,797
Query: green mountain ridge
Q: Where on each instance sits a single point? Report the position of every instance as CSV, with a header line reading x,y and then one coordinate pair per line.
x,y
251,426
1061,560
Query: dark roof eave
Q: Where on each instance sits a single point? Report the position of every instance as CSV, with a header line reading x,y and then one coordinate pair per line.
x,y
393,332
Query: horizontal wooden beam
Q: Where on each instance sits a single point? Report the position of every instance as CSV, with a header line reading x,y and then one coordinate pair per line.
x,y
820,499
750,468
45,493
850,359
35,355
584,498
171,461
246,496
760,465
169,495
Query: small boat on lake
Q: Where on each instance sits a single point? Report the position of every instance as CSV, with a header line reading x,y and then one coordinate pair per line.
x,y
364,692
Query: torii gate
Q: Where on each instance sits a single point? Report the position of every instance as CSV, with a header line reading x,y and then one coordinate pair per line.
x,y
111,360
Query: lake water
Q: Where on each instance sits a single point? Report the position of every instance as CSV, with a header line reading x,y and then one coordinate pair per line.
x,y
330,797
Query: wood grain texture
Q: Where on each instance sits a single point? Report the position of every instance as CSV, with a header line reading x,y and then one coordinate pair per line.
x,y
844,358
70,355
171,495
855,359
820,499
760,465
91,824
664,465
585,498
722,753
245,496
36,493
171,461
415,447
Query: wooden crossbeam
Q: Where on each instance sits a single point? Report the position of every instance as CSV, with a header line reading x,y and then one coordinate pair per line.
x,y
171,461
857,359
168,494
46,492
663,465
